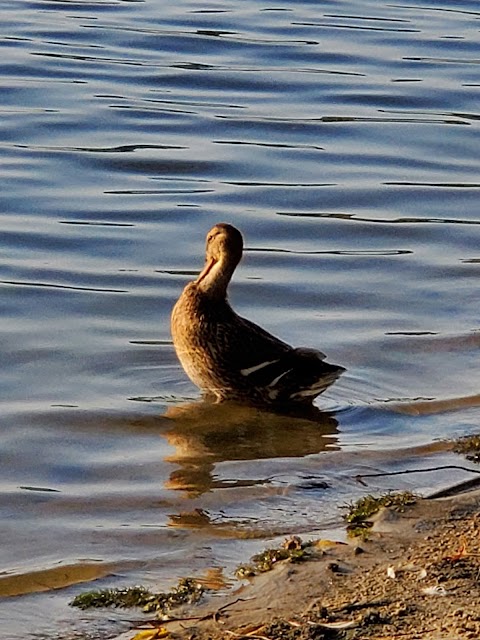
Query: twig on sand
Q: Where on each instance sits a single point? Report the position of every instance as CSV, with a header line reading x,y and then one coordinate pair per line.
x,y
214,615
359,477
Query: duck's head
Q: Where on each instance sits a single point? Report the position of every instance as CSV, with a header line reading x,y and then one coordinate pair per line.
x,y
223,252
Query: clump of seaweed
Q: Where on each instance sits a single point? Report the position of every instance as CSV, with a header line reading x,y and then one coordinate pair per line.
x,y
293,549
469,446
359,512
187,591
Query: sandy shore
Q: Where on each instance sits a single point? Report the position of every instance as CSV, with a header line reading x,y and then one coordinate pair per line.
x,y
418,576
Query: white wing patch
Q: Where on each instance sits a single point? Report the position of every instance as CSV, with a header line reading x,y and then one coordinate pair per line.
x,y
273,393
275,380
257,367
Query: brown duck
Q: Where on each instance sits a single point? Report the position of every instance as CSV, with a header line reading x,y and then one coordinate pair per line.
x,y
231,358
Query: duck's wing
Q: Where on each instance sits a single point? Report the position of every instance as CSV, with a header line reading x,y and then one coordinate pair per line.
x,y
247,346
262,361
298,375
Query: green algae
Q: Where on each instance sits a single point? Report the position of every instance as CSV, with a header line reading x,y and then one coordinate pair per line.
x,y
469,446
293,549
187,591
359,513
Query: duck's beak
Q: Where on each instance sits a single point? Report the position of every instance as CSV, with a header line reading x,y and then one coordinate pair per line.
x,y
206,269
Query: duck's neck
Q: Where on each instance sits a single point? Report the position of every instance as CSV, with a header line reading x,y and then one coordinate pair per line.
x,y
213,281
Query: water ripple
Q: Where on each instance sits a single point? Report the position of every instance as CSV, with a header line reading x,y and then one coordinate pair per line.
x,y
50,285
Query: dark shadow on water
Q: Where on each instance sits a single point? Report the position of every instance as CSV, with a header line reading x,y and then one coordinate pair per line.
x,y
204,434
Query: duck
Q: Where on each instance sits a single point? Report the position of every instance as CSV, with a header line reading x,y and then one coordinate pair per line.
x,y
230,358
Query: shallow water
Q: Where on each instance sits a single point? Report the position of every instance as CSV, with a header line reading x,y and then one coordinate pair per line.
x,y
344,142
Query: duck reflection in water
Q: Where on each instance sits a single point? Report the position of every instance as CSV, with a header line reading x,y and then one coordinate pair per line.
x,y
205,434
231,358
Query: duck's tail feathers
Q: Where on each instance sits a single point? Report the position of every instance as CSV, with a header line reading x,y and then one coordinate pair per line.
x,y
308,393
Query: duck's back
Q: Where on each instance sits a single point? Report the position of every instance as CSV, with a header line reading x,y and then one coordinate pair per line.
x,y
233,358
215,345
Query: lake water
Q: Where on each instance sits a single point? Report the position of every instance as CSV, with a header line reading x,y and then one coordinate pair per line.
x,y
342,138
